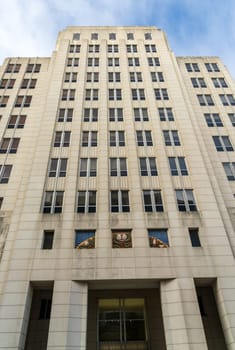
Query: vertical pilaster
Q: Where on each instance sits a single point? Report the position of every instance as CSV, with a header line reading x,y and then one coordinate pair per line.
x,y
224,291
68,316
181,315
14,315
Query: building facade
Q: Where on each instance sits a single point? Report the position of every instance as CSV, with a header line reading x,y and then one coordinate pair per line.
x,y
117,183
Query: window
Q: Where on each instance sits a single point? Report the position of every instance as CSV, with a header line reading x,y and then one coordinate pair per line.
x,y
90,115
178,166
192,67
1,202
133,62
198,82
74,48
144,138
84,239
232,118
219,82
185,200
9,145
115,114
222,143
76,36
141,114
7,83
16,122
161,94
212,67
118,167
70,77
94,48
136,77
112,48
115,94
45,309
53,202
205,100
68,94
121,239
73,62
158,238
138,94
3,101
113,62
150,48
157,77
213,119
117,138
33,68
92,77
65,115
153,61
171,137
165,114
148,166
92,94
86,202
62,139
227,100
131,48
152,200
130,36
120,201
13,68
194,237
94,36
23,101
58,167
114,77
89,138
5,172
93,61
28,83
88,167
229,169
148,36
112,36
47,242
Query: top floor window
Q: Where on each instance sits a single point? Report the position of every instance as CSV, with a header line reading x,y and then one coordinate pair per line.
x,y
94,36
148,36
33,68
76,36
112,36
130,36
13,68
192,67
212,67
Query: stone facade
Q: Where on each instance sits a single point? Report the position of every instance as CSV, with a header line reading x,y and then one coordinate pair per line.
x,y
119,198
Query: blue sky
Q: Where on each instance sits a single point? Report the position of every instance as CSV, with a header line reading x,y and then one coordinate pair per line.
x,y
193,27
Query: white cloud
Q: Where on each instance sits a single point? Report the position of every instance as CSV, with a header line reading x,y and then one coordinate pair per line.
x,y
194,27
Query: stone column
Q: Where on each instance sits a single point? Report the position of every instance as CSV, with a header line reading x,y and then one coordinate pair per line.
x,y
181,315
14,314
68,316
224,291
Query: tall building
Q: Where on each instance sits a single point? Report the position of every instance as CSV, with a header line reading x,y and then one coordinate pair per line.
x,y
117,183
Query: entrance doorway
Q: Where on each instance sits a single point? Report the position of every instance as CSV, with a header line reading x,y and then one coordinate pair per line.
x,y
122,324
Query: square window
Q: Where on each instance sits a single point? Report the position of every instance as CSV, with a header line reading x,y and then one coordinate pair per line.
x,y
158,238
121,239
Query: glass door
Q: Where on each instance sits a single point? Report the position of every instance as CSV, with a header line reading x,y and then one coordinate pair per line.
x,y
122,324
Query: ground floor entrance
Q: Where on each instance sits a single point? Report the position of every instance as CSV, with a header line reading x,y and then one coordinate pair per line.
x,y
125,320
122,324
